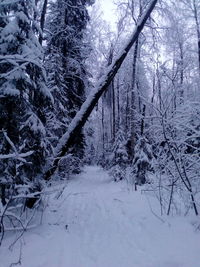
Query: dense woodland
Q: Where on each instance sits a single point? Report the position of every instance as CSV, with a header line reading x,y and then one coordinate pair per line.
x,y
75,92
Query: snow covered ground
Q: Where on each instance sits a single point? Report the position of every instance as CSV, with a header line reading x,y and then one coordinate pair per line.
x,y
99,223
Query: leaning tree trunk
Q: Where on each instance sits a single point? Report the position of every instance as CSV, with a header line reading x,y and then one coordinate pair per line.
x,y
67,140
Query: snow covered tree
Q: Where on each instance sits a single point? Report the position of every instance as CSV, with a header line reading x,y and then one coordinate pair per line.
x,y
119,156
23,97
67,74
142,160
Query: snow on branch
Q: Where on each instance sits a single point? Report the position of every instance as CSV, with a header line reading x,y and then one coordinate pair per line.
x,y
16,155
9,2
20,156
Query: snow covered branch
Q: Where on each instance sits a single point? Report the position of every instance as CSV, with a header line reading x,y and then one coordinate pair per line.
x,y
9,2
19,156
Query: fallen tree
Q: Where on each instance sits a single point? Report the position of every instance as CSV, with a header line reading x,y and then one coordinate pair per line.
x,y
68,139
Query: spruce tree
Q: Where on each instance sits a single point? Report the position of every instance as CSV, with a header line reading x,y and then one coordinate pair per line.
x,y
67,74
23,97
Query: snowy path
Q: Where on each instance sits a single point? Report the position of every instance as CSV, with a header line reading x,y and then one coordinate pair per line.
x,y
99,223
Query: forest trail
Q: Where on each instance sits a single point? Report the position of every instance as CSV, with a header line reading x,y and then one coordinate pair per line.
x,y
99,223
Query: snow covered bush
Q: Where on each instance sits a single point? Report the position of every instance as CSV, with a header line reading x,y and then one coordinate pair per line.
x,y
177,158
117,172
69,165
142,160
119,157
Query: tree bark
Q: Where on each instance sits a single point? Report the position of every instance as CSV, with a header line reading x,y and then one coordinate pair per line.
x,y
81,117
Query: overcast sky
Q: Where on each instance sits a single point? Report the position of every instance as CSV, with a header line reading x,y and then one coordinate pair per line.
x,y
108,9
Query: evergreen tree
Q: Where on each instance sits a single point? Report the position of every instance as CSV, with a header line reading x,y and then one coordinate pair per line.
x,y
142,160
23,96
67,53
119,157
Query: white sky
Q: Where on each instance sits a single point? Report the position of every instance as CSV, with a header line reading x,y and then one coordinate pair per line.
x,y
108,9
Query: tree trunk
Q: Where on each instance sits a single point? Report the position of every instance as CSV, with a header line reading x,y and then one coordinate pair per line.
x,y
181,92
103,132
113,111
197,29
81,117
133,95
42,20
3,194
118,105
143,118
127,108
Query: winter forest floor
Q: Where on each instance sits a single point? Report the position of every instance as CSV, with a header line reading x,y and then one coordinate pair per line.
x,y
99,223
